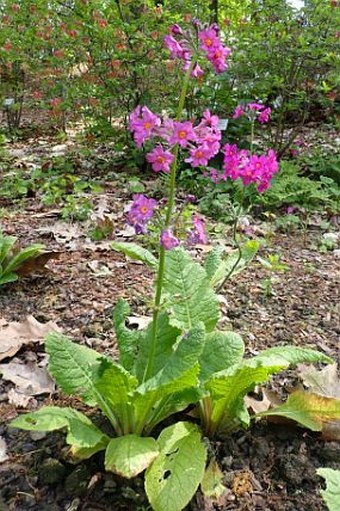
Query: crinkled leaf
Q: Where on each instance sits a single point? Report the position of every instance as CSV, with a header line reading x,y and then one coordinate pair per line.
x,y
331,494
128,340
84,437
309,410
129,455
71,365
6,244
213,260
188,293
166,338
292,355
183,358
221,350
136,252
325,382
173,478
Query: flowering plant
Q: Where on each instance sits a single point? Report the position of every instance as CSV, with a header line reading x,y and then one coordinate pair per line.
x,y
180,359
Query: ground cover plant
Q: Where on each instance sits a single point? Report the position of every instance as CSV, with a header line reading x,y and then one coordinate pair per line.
x,y
181,359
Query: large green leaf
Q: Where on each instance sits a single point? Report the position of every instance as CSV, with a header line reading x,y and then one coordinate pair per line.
x,y
221,350
166,337
129,455
331,494
180,373
174,476
188,293
213,260
128,340
308,409
228,388
182,359
84,437
292,355
71,365
136,252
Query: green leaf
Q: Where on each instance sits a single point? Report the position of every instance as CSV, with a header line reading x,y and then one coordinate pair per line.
x,y
71,365
173,478
84,437
188,293
231,263
332,493
6,244
166,338
309,410
7,278
228,388
292,355
183,358
221,350
136,252
128,340
129,455
26,253
213,260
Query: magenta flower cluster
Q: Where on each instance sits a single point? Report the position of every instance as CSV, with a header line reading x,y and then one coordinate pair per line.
x,y
250,168
140,212
201,141
253,111
182,45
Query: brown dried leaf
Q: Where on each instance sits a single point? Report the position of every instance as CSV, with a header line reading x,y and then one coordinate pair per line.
x,y
37,263
29,379
324,382
14,335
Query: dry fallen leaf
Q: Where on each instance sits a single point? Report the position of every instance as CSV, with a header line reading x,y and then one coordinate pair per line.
x,y
138,322
14,335
36,264
29,378
18,399
324,382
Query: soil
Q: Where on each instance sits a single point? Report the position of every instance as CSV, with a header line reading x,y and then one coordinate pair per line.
x,y
269,467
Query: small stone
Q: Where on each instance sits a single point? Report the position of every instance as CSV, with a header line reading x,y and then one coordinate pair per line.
x,y
336,253
51,471
37,435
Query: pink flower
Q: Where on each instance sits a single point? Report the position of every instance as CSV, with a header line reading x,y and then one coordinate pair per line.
x,y
142,209
209,39
182,133
217,56
264,116
168,240
198,234
176,49
160,159
197,71
239,111
142,124
255,106
199,156
210,120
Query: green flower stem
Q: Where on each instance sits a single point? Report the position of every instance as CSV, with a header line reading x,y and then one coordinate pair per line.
x,y
171,199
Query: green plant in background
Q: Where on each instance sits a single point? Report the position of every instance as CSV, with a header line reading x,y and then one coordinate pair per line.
x,y
12,257
273,264
180,358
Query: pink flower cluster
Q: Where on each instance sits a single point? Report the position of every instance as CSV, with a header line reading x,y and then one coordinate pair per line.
x,y
181,46
202,141
253,111
250,168
215,52
140,212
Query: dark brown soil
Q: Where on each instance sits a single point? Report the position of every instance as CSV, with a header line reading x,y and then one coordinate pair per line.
x,y
269,467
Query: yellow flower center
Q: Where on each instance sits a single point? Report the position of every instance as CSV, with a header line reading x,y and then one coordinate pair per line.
x,y
160,159
143,209
182,134
147,125
199,154
208,41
